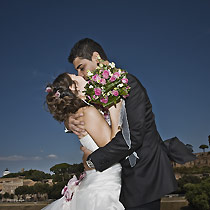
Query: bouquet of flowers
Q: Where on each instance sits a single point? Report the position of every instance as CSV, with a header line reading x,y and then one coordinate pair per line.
x,y
107,85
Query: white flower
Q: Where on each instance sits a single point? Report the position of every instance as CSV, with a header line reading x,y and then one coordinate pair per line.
x,y
89,73
112,65
120,85
101,65
90,86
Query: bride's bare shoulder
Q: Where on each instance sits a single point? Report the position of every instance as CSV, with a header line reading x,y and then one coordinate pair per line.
x,y
89,111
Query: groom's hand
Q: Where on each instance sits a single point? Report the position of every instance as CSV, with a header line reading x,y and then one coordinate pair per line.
x,y
74,124
87,152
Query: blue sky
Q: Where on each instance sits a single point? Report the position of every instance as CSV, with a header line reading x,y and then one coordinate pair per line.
x,y
166,44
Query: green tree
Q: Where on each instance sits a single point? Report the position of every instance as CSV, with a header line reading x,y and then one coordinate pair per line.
x,y
35,175
192,170
76,169
61,170
11,175
203,147
64,171
205,186
201,202
198,195
6,195
187,179
22,190
55,190
41,188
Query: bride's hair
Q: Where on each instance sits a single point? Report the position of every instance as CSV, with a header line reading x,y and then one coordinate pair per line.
x,y
61,101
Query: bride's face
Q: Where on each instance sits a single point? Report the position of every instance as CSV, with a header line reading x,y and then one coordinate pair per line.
x,y
80,84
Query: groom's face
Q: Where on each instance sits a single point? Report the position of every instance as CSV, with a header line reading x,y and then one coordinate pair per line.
x,y
82,65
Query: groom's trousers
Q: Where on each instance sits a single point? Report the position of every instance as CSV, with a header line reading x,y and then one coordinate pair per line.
x,y
155,205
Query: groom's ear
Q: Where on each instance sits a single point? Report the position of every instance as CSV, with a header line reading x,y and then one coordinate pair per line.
x,y
95,57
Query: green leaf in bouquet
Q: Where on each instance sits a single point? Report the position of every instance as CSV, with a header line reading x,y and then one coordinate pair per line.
x,y
112,85
111,102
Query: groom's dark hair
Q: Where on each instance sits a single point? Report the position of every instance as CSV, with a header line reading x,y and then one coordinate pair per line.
x,y
85,49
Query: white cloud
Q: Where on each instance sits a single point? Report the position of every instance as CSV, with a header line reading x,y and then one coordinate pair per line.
x,y
12,158
36,158
52,156
19,158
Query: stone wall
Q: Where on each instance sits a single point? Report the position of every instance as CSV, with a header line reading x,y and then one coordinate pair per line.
x,y
10,184
203,159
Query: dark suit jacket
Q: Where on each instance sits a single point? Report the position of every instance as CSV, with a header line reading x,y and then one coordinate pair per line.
x,y
152,176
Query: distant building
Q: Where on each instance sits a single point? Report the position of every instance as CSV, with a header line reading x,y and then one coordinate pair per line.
x,y
10,184
6,172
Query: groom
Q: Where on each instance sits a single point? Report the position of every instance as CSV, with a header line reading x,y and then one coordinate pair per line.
x,y
150,175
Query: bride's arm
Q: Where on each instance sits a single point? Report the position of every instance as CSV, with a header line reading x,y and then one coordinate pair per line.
x,y
98,128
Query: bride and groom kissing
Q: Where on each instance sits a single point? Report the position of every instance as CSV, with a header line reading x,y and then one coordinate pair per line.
x,y
127,164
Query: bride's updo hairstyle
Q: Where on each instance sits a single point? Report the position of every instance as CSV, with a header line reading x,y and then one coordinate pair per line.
x,y
61,101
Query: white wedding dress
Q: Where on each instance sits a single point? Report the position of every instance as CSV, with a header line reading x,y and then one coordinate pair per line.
x,y
96,191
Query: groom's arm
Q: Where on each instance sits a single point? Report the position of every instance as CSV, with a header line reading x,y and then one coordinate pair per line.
x,y
73,124
117,149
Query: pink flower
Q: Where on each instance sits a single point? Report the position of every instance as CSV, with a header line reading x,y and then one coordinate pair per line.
x,y
48,89
88,97
57,94
97,91
126,96
115,93
94,96
113,78
103,81
124,80
104,100
105,74
96,77
116,74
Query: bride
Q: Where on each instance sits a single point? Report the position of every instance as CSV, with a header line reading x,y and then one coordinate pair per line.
x,y
97,190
